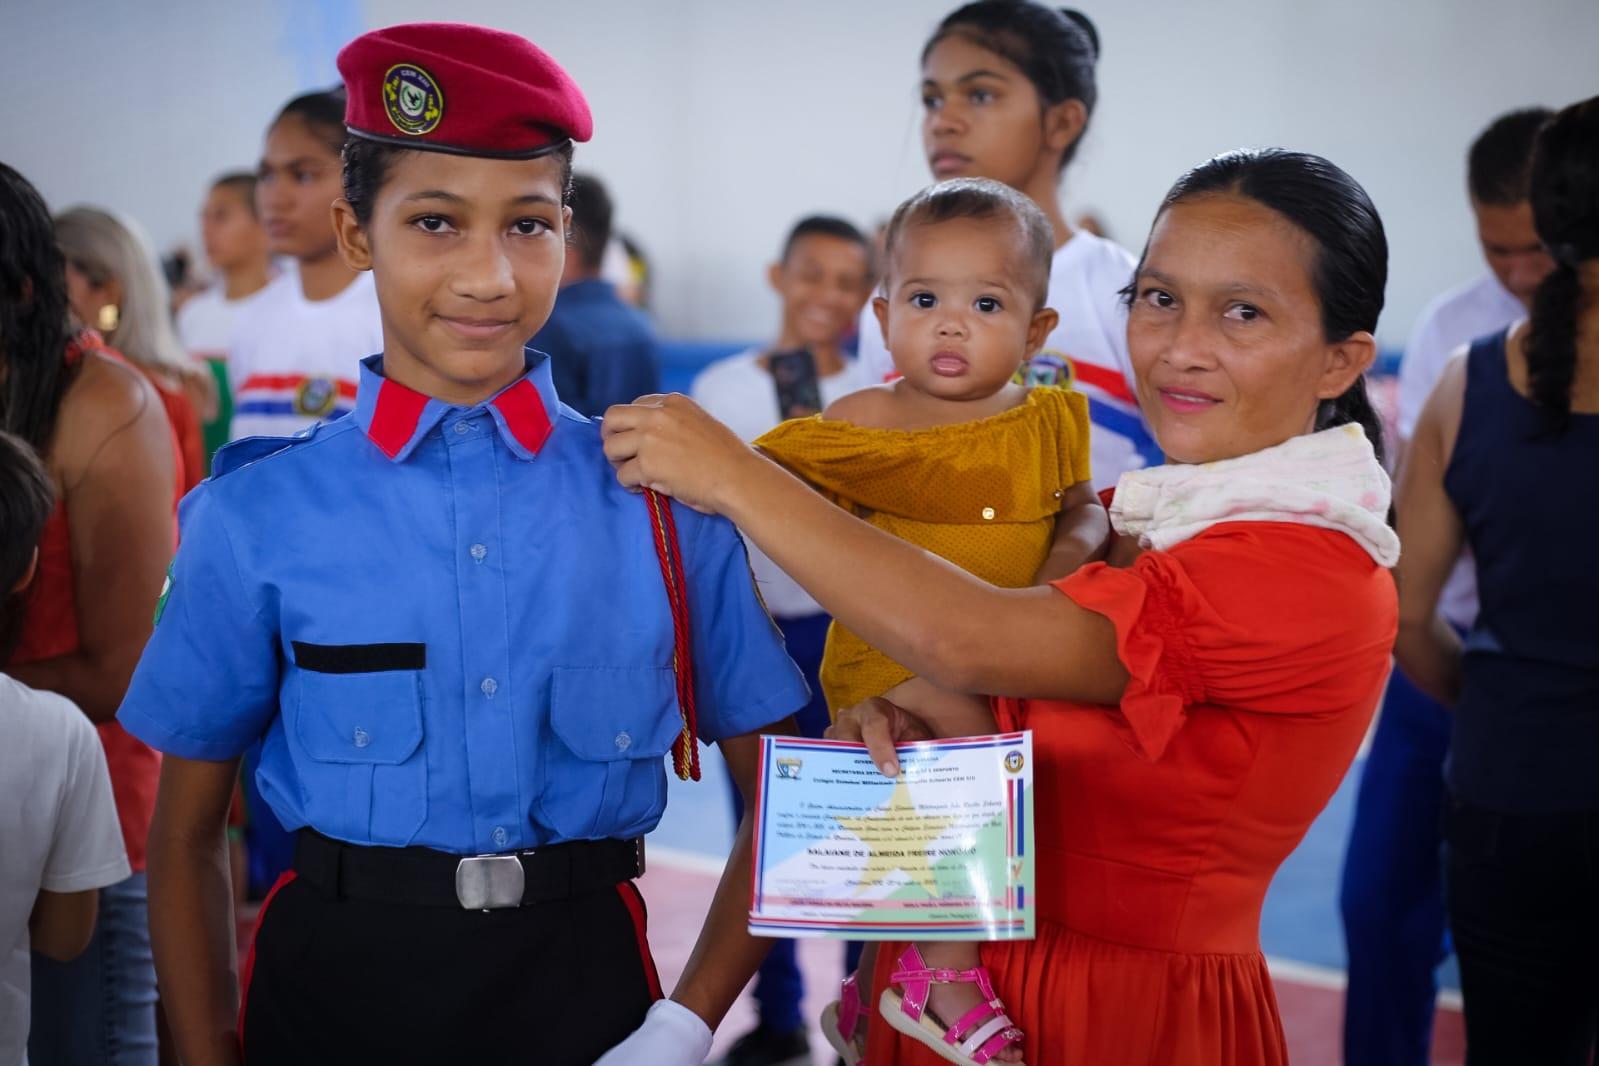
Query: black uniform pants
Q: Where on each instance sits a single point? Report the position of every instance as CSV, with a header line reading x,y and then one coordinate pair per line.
x,y
347,981
1523,899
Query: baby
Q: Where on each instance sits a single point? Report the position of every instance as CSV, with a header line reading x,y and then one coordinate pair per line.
x,y
958,457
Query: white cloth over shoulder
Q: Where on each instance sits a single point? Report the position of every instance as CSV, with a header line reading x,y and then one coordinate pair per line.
x,y
1329,479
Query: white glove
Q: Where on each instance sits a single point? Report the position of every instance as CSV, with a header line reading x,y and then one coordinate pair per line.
x,y
672,1035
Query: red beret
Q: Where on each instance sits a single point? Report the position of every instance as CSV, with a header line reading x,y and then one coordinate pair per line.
x,y
450,87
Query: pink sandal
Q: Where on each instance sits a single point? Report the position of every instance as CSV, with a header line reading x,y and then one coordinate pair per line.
x,y
841,1019
975,1038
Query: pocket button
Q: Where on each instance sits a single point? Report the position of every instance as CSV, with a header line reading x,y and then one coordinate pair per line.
x,y
362,738
623,742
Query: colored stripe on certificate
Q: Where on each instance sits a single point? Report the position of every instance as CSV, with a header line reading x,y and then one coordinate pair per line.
x,y
758,862
1018,797
1010,818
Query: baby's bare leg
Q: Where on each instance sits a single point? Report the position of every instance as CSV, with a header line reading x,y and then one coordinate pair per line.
x,y
947,714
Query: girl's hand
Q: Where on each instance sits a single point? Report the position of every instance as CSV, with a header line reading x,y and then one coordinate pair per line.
x,y
880,725
670,445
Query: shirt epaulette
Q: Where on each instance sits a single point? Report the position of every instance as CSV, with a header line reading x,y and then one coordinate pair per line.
x,y
246,450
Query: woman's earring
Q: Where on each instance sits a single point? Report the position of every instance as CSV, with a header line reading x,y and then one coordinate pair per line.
x,y
108,318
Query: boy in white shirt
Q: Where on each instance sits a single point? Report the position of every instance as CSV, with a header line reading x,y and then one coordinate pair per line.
x,y
823,279
60,841
236,247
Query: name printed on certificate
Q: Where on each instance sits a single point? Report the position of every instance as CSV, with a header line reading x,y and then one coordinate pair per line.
x,y
944,851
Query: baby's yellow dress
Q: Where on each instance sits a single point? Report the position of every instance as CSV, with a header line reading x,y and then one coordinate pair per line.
x,y
982,494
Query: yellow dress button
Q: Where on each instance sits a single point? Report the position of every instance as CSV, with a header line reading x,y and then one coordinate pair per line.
x,y
988,514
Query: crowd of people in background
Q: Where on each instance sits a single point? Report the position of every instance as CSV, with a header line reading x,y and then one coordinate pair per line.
x,y
1477,819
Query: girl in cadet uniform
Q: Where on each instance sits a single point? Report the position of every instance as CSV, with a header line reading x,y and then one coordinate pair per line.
x,y
464,651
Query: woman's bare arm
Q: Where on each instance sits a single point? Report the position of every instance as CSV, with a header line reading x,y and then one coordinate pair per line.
x,y
929,615
1430,530
115,462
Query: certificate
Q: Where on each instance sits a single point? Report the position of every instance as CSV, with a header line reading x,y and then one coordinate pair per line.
x,y
944,851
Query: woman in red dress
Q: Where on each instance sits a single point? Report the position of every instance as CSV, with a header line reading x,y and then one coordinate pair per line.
x,y
1196,698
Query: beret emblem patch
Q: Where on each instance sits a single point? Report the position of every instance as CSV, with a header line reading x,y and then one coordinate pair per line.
x,y
412,99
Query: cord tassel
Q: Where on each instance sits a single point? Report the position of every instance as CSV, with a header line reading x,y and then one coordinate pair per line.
x,y
686,748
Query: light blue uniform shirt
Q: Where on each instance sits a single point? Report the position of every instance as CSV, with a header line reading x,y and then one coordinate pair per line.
x,y
447,627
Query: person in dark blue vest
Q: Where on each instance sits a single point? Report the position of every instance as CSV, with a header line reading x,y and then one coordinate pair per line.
x,y
466,652
602,351
1391,896
1503,462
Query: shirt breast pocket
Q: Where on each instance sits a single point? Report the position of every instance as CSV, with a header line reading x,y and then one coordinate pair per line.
x,y
603,772
359,721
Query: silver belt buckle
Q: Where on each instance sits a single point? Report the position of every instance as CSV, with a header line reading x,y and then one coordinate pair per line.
x,y
489,882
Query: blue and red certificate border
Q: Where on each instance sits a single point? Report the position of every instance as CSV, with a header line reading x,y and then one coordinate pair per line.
x,y
1016,926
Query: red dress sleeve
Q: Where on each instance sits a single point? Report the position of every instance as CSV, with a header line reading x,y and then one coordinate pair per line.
x,y
1254,616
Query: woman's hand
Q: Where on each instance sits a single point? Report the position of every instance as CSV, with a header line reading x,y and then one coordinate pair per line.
x,y
669,444
880,725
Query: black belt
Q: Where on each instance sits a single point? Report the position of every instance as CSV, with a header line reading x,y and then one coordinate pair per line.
x,y
429,878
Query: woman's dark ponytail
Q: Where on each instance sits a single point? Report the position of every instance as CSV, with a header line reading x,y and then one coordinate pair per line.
x,y
1552,345
1564,192
1085,24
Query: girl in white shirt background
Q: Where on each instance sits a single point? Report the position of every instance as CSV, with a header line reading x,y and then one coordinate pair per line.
x,y
1008,88
236,249
294,350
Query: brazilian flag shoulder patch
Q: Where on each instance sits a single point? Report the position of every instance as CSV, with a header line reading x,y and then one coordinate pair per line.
x,y
161,604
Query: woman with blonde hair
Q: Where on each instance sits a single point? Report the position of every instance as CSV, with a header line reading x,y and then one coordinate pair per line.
x,y
114,286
